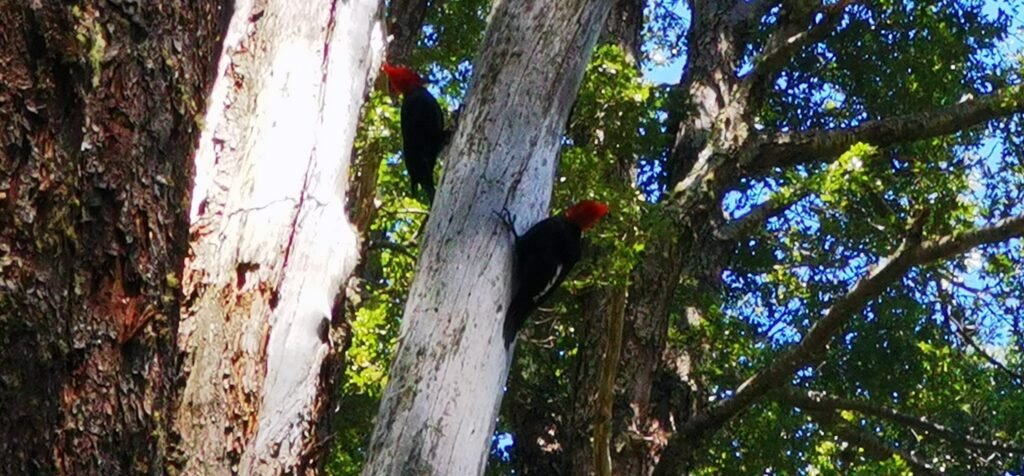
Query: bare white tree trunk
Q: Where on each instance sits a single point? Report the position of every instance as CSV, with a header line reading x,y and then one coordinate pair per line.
x,y
446,383
271,242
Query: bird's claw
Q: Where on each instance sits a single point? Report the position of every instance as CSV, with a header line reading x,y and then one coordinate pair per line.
x,y
508,219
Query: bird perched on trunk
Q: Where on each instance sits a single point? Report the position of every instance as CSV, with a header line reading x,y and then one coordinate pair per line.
x,y
423,132
544,256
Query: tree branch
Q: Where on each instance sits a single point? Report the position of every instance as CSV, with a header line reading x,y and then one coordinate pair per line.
x,y
957,324
747,14
872,445
789,149
624,27
790,38
757,216
952,245
812,347
812,400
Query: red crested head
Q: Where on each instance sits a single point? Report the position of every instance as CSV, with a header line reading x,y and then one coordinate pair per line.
x,y
403,79
586,213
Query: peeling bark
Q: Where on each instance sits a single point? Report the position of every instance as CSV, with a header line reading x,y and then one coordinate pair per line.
x,y
98,105
271,242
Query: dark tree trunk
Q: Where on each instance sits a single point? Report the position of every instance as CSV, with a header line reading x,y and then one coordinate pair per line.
x,y
405,20
98,105
540,440
684,267
589,424
623,27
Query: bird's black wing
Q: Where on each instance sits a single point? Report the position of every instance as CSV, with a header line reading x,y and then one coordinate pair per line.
x,y
544,257
423,136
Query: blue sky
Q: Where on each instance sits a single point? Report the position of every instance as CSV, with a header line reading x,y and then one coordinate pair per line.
x,y
670,72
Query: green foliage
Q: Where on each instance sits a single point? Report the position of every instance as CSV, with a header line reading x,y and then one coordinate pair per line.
x,y
452,34
905,350
664,33
389,265
892,57
614,126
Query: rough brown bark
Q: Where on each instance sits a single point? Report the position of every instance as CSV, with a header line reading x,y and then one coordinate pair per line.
x,y
98,108
405,20
623,27
650,372
691,254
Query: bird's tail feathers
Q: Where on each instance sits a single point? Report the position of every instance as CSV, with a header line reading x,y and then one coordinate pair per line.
x,y
518,310
429,188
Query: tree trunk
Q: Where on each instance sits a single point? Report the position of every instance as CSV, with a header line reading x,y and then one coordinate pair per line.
x,y
98,107
445,387
405,20
529,409
272,244
717,126
589,435
624,26
590,426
